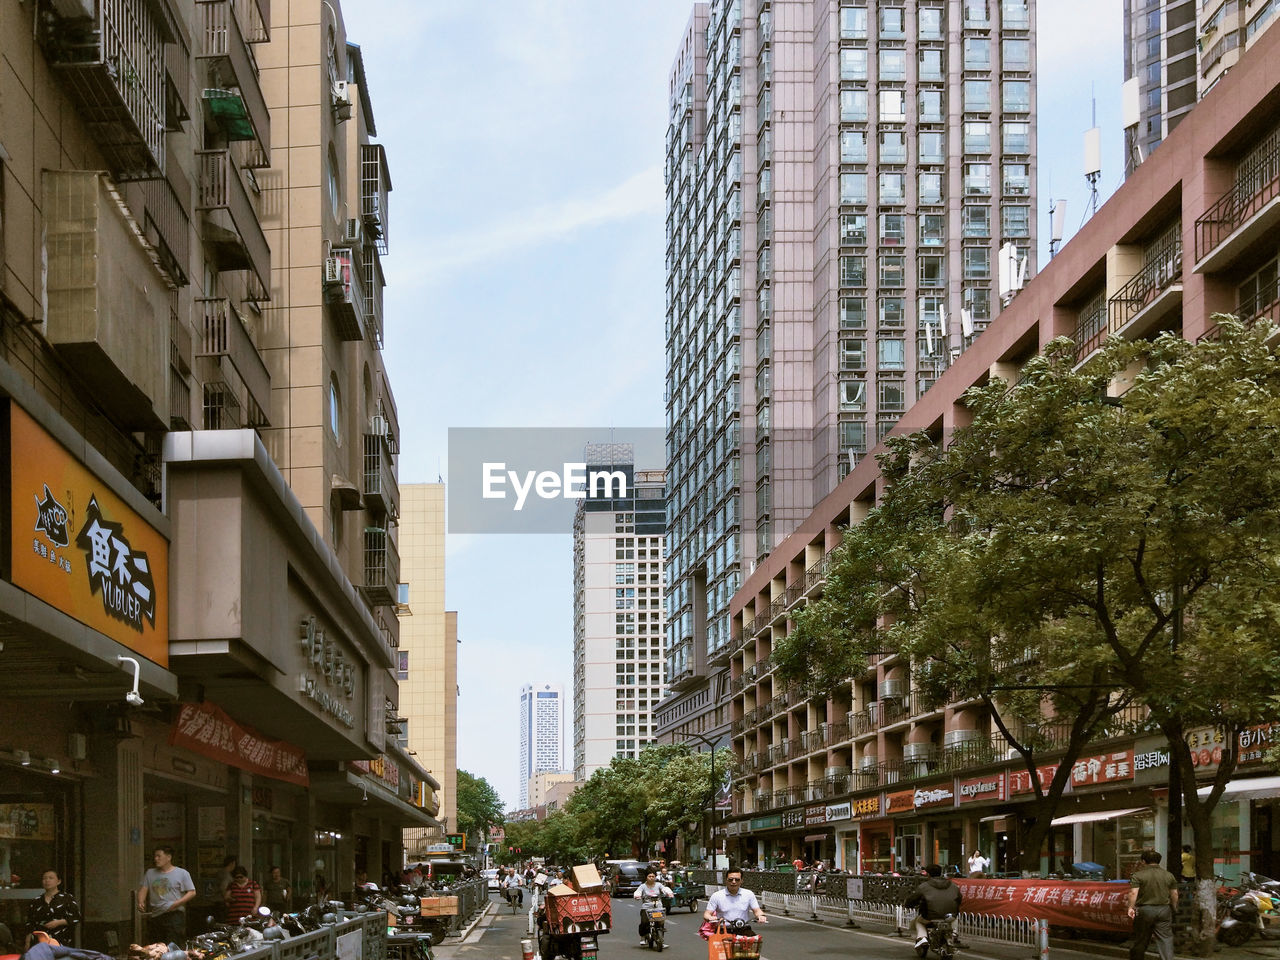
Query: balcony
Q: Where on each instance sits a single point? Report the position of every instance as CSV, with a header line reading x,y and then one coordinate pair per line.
x,y
166,224
232,233
980,751
111,65
374,282
381,567
375,184
226,344
1151,295
344,293
865,721
232,96
381,494
1243,216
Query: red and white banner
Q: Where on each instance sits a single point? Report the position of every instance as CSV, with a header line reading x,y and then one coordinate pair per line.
x,y
1097,906
204,729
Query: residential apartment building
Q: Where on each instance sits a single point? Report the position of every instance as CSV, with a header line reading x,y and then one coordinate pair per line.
x,y
841,177
618,612
427,666
199,637
542,784
541,732
877,778
1174,52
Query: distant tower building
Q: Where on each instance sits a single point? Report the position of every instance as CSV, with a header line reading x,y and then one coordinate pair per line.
x,y
618,617
541,732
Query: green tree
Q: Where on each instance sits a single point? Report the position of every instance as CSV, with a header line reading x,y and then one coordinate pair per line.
x,y
1070,551
478,807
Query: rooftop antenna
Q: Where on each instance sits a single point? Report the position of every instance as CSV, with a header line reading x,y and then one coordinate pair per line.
x,y
1093,155
1057,216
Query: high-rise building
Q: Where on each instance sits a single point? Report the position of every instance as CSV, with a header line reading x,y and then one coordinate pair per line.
x,y
618,612
1174,52
427,659
841,177
541,732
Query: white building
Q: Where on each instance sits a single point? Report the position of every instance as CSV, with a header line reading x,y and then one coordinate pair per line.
x,y
541,732
619,596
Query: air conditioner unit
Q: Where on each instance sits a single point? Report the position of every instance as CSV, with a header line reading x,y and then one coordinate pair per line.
x,y
74,9
916,752
953,737
893,689
868,763
378,425
332,270
836,772
353,234
341,100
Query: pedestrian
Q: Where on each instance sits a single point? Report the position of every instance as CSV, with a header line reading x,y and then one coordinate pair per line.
x,y
320,890
54,911
978,863
275,892
224,880
244,896
733,902
798,863
1188,863
1153,896
163,896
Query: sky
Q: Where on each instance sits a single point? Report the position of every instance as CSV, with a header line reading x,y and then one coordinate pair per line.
x,y
525,281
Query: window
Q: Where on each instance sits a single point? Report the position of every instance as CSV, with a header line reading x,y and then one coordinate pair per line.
x,y
932,147
893,147
853,313
977,96
892,188
1016,137
892,395
893,268
893,229
333,183
977,13
930,65
853,271
931,23
977,53
893,311
892,23
853,146
931,312
853,395
979,300
893,106
1016,96
975,221
1016,220
933,229
402,594
930,187
853,353
893,63
853,105
931,106
335,409
1016,54
933,270
853,63
1017,179
402,661
853,435
853,188
853,23
891,353
853,229
1257,292
977,136
977,263
977,178
1014,15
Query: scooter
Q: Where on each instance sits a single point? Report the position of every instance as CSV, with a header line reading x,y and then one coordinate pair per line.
x,y
653,917
941,934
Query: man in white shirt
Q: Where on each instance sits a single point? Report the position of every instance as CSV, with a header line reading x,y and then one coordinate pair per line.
x,y
734,903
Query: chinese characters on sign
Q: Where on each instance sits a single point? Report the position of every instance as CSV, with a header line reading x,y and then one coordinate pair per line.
x,y
204,729
329,669
117,572
1100,906
1106,768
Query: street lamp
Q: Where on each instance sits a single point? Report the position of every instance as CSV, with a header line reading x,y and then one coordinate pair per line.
x,y
711,817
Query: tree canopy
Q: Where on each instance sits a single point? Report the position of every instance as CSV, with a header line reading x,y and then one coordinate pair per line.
x,y
478,806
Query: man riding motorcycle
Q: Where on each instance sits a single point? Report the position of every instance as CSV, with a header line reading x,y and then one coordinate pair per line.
x,y
734,903
933,899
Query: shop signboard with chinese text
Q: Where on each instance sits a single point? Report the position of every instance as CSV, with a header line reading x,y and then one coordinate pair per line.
x,y
988,788
1020,780
815,815
1095,906
866,807
80,548
205,729
1103,768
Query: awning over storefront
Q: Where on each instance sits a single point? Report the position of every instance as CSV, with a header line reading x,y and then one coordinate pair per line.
x,y
814,837
1253,788
1095,815
351,788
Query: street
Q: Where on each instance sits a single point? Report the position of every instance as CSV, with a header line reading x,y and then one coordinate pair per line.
x,y
497,937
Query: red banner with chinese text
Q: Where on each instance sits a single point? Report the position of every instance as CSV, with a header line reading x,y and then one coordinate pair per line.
x,y
1097,906
204,729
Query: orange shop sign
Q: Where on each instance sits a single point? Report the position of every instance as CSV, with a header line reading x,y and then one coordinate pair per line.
x,y
80,548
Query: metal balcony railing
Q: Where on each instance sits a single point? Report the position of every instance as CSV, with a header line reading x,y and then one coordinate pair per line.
x,y
1256,185
231,68
166,224
375,184
112,68
344,292
1091,325
226,340
235,239
380,491
381,567
1161,271
374,282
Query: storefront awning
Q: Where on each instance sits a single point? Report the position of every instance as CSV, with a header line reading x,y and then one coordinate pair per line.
x,y
361,791
814,837
1254,788
1095,815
